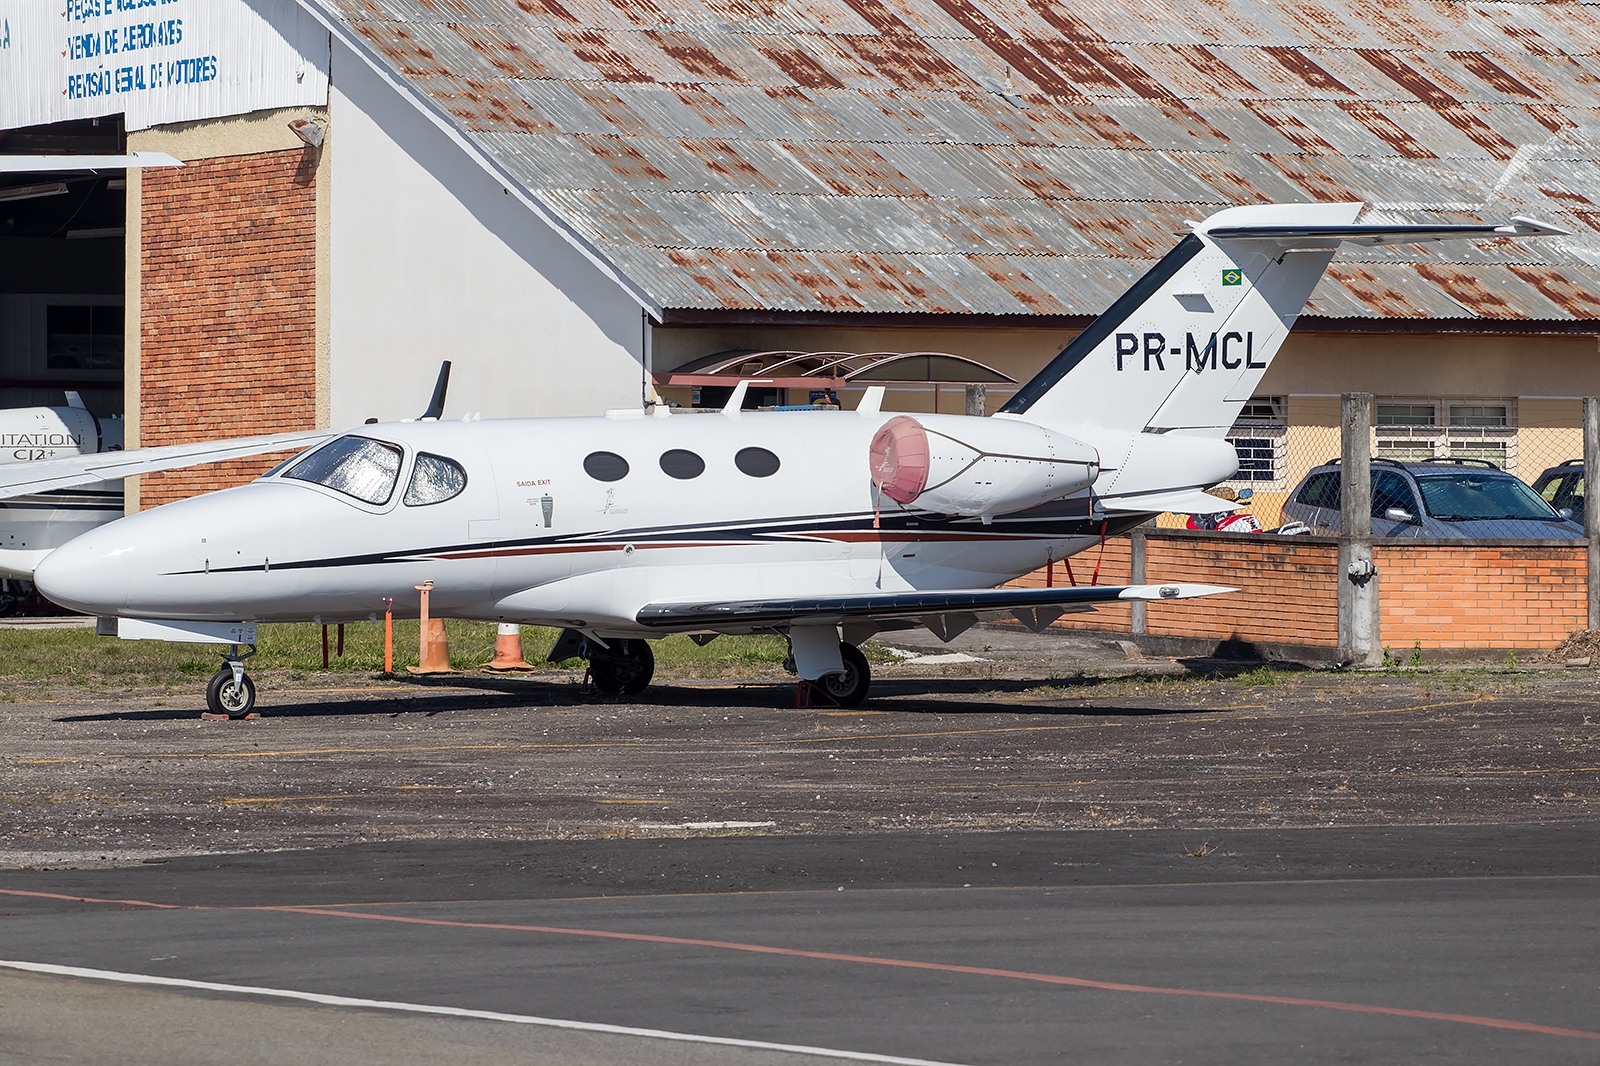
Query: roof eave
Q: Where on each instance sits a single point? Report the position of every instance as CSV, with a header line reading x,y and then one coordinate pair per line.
x,y
718,316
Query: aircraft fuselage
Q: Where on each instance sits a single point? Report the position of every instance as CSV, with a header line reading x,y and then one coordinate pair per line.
x,y
760,505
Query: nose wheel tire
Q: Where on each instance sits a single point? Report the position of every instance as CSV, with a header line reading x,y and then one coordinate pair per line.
x,y
624,669
849,688
224,696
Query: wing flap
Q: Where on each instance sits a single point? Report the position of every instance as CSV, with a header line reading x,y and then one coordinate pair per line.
x,y
917,604
19,479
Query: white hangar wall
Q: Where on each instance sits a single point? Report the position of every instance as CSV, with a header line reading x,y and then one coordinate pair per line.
x,y
431,259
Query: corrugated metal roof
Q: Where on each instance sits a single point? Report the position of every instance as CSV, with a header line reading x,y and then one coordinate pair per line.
x,y
1021,157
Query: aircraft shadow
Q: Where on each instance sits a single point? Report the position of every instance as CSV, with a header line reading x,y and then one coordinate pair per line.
x,y
944,696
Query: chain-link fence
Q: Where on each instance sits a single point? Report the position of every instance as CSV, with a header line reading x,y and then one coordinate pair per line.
x,y
1441,468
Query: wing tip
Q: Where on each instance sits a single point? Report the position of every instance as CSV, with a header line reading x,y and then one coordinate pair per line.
x,y
1175,590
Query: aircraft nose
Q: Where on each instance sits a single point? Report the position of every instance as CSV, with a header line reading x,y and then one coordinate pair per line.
x,y
88,573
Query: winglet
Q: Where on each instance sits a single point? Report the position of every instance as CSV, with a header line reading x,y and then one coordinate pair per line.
x,y
435,409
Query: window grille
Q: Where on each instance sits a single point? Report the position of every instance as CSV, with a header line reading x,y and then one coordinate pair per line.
x,y
1260,436
1410,431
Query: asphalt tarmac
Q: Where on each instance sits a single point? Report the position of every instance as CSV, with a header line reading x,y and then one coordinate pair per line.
x,y
1375,945
974,868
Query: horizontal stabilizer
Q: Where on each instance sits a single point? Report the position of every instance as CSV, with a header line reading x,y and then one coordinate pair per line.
x,y
1180,501
19,479
1370,235
916,604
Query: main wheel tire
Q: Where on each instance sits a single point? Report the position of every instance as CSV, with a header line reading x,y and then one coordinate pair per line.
x,y
625,669
850,687
225,697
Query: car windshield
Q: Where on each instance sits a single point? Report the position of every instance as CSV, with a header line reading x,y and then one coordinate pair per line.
x,y
1459,497
356,466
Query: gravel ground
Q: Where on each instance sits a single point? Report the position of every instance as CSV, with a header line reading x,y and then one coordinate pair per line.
x,y
977,744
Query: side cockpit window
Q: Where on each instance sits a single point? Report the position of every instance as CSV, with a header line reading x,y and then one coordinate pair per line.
x,y
434,479
356,466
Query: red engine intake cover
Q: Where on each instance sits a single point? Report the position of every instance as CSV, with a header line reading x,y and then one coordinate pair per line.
x,y
899,459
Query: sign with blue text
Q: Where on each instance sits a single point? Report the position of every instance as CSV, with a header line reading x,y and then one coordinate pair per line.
x,y
156,61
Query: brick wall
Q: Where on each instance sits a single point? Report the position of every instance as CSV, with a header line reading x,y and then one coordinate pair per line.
x,y
228,310
1448,596
1481,595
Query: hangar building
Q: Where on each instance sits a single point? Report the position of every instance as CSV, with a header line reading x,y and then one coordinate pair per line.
x,y
590,203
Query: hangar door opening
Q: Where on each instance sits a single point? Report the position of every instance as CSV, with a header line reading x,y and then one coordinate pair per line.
x,y
62,269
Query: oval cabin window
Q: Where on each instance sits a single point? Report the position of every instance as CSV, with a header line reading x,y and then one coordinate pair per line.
x,y
605,466
757,462
682,464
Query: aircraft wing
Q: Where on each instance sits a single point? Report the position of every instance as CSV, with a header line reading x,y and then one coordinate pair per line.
x,y
19,479
917,604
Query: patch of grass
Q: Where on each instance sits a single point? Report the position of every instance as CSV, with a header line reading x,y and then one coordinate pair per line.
x,y
1261,675
77,656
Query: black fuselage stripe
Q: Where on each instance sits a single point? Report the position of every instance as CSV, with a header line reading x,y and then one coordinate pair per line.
x,y
1033,530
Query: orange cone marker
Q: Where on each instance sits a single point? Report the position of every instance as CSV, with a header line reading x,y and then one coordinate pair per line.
x,y
508,649
433,654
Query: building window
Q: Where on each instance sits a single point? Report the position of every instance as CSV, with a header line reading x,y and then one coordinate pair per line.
x,y
1260,437
1411,431
1405,414
83,337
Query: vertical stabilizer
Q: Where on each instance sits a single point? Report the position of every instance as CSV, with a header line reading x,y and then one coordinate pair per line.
x,y
1185,346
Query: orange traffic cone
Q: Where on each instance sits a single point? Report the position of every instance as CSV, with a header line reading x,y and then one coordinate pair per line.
x,y
434,650
508,649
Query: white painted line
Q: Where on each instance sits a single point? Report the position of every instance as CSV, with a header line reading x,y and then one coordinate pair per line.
x,y
707,825
456,1012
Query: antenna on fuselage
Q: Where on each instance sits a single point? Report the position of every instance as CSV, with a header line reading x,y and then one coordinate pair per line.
x,y
435,409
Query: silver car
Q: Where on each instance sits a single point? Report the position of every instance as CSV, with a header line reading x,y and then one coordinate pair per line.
x,y
1449,498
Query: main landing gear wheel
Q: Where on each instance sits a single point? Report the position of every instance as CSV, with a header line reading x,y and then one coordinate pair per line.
x,y
624,669
225,696
849,688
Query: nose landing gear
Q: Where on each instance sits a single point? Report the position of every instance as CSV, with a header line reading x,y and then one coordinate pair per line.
x,y
231,692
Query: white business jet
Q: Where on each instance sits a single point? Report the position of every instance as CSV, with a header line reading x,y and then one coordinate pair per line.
x,y
35,523
823,526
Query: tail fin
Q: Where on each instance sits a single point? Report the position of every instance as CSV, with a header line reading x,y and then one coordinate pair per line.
x,y
1185,347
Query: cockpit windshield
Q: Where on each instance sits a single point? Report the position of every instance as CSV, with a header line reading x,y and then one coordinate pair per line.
x,y
356,466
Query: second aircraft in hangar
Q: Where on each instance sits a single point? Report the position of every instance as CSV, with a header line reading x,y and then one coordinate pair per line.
x,y
824,526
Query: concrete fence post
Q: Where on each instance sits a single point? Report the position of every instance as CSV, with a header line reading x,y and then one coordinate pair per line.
x,y
1591,502
1360,643
976,396
1136,577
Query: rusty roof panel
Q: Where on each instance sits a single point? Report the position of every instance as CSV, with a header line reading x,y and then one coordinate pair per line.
x,y
1021,156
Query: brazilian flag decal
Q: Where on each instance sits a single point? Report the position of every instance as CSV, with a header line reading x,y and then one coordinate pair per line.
x,y
1233,277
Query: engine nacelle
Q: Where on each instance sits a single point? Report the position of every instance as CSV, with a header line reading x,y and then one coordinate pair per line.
x,y
948,464
31,434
